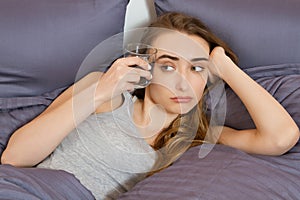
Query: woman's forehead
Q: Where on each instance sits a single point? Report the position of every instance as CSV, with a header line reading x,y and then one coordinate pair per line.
x,y
183,45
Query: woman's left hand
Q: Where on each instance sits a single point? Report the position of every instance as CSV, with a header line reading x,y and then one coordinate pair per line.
x,y
219,62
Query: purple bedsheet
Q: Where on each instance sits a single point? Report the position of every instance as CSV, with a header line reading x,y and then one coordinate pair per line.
x,y
225,173
36,183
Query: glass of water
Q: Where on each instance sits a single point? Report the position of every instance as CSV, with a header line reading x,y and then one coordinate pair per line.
x,y
144,51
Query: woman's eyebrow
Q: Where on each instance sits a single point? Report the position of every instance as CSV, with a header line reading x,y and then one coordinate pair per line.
x,y
168,56
199,59
176,58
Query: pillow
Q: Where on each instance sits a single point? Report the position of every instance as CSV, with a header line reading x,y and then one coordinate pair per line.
x,y
261,32
44,42
281,81
225,173
15,112
38,183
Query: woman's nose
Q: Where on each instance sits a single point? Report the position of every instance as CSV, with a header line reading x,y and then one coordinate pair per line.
x,y
181,82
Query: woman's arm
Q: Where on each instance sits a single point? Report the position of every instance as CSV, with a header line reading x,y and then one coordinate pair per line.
x,y
96,92
275,133
36,140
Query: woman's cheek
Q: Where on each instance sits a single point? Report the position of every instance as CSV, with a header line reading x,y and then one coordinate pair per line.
x,y
199,87
163,79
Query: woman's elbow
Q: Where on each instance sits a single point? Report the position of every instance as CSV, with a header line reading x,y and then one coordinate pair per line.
x,y
6,159
9,159
288,140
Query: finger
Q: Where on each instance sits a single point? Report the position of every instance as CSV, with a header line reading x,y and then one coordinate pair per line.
x,y
143,73
130,87
130,61
133,78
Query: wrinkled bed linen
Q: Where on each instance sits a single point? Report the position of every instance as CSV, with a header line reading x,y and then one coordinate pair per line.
x,y
35,183
225,173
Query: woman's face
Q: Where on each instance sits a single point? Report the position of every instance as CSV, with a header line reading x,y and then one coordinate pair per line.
x,y
180,72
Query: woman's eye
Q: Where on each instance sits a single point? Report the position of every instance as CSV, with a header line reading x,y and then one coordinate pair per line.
x,y
197,68
167,68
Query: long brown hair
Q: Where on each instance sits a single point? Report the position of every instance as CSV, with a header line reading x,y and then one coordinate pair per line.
x,y
190,129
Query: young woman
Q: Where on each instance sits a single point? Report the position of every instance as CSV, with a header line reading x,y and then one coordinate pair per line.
x,y
110,139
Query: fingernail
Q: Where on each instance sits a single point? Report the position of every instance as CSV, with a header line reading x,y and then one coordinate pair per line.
x,y
149,67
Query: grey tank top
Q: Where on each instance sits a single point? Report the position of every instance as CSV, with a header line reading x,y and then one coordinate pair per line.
x,y
105,152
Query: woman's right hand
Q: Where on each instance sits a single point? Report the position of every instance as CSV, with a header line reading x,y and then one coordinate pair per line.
x,y
121,77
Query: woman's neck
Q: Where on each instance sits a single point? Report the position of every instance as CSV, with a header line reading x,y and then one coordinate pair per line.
x,y
150,119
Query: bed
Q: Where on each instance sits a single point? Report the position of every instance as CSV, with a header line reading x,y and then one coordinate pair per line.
x,y
43,43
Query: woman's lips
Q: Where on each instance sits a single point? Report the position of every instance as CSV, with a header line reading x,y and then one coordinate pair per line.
x,y
181,99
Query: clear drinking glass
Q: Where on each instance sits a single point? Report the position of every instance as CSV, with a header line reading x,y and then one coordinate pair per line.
x,y
144,51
